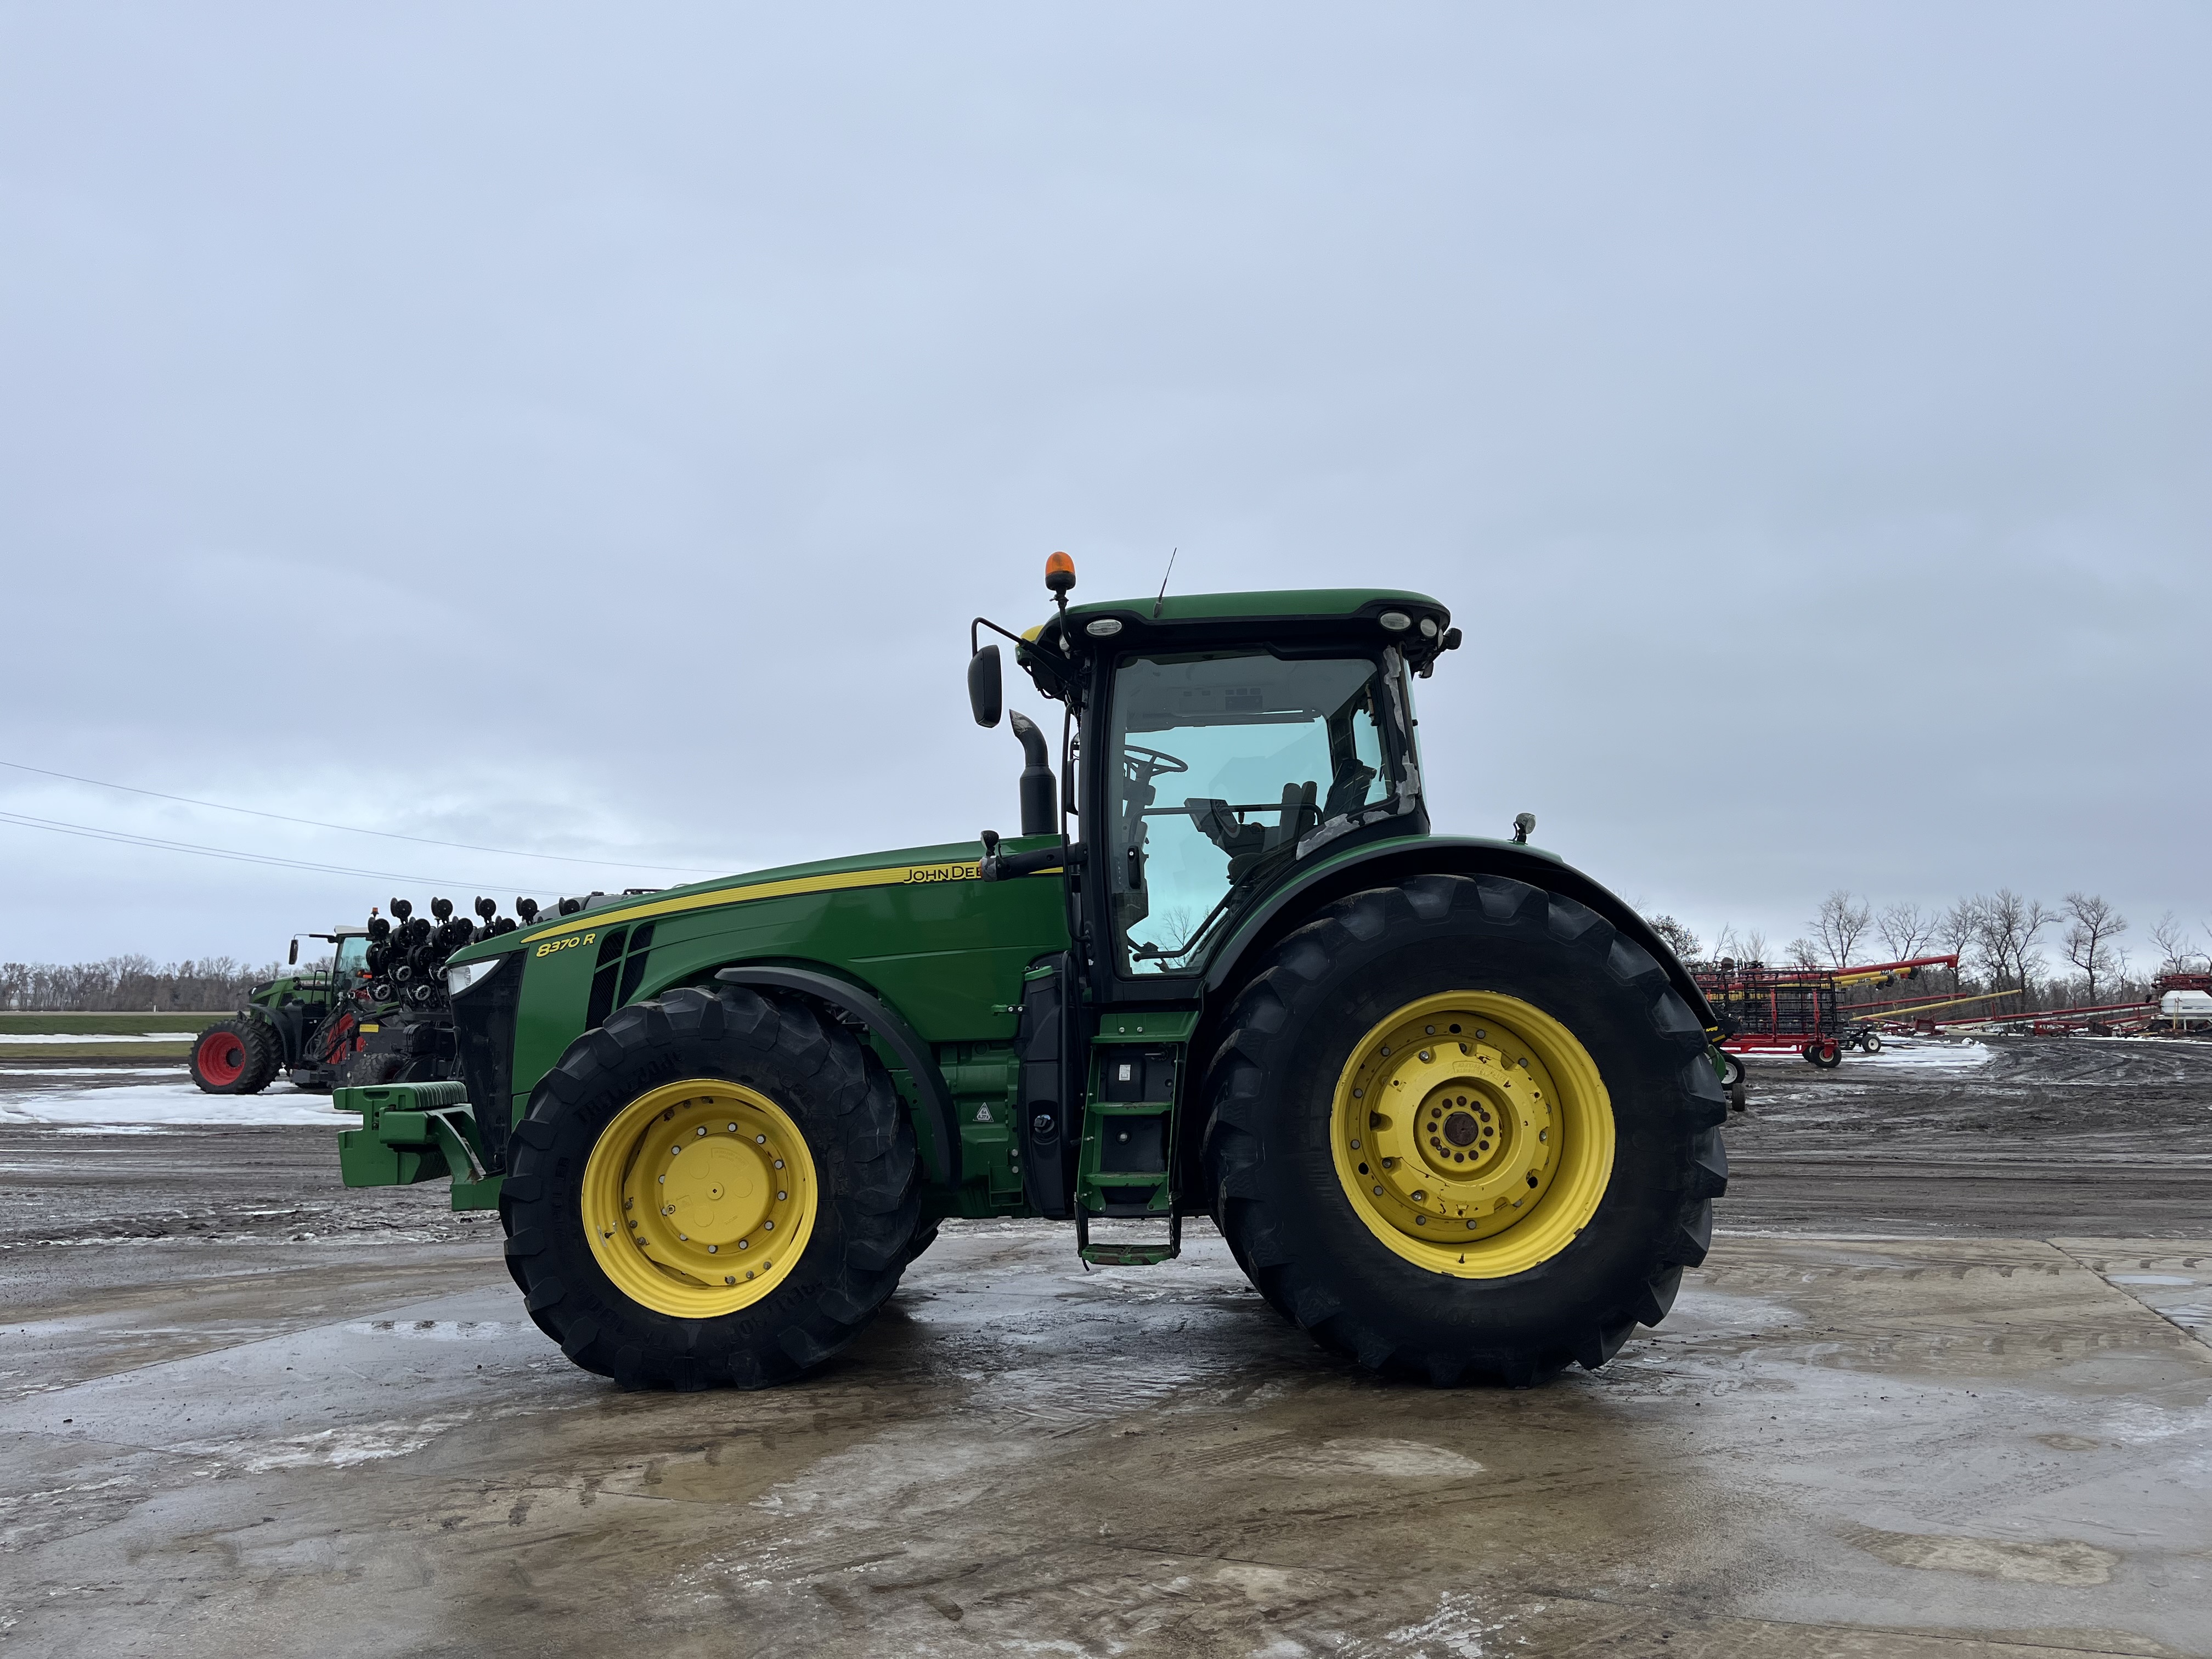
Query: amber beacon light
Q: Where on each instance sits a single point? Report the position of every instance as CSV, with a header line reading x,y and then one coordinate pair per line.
x,y
1059,573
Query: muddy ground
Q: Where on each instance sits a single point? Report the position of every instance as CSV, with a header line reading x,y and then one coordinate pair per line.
x,y
243,1410
2013,1137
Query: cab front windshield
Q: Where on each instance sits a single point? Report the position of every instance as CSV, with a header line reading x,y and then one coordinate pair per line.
x,y
1223,762
351,961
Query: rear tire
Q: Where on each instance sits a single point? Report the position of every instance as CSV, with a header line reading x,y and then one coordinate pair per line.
x,y
1608,1235
235,1056
604,1120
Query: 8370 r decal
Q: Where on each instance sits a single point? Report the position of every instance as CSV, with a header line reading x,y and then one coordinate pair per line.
x,y
567,943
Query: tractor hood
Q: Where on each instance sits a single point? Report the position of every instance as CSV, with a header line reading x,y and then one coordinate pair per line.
x,y
903,867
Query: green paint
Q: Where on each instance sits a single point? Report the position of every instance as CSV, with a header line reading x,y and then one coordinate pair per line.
x,y
950,953
412,1133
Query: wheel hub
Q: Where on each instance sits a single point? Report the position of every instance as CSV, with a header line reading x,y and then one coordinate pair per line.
x,y
221,1057
699,1196
1459,1126
1472,1134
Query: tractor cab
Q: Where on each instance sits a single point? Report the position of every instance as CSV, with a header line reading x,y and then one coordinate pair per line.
x,y
1212,744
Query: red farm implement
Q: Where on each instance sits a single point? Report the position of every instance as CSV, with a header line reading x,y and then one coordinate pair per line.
x,y
2176,1000
1796,1010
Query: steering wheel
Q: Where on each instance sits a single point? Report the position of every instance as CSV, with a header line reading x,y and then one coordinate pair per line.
x,y
1161,762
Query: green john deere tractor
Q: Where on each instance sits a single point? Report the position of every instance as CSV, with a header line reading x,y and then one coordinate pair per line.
x,y
1452,1104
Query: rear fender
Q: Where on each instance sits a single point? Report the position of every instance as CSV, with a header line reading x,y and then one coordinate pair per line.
x,y
1293,904
1290,905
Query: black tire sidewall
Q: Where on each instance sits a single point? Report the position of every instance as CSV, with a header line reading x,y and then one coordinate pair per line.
x,y
826,1087
1336,1260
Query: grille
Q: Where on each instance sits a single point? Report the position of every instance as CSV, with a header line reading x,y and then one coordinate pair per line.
x,y
483,1030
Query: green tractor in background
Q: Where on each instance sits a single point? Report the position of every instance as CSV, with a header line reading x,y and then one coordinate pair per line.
x,y
307,1023
377,1012
1453,1105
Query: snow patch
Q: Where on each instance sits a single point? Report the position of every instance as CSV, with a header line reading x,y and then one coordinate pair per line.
x,y
33,1071
139,1107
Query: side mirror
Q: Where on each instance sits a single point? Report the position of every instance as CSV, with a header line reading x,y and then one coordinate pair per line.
x,y
295,958
986,692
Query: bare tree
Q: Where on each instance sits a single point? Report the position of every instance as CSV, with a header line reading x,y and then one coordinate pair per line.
x,y
1958,928
2010,925
2092,942
1680,940
2171,935
1754,947
131,982
1803,953
1904,927
1840,925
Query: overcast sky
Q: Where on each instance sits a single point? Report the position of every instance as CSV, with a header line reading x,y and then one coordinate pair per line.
x,y
588,431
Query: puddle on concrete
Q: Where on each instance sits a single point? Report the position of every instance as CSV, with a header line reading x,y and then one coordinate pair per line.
x,y
1830,1447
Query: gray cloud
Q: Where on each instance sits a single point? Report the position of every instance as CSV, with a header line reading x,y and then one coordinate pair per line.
x,y
549,429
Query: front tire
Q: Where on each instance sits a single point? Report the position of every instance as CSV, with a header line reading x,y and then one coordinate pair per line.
x,y
1530,1214
761,1256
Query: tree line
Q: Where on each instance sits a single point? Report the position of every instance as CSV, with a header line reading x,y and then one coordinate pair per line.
x,y
128,985
2073,954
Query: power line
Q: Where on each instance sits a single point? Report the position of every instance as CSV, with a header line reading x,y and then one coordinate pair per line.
x,y
355,829
87,831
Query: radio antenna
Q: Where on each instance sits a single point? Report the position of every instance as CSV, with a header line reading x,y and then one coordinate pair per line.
x,y
1163,598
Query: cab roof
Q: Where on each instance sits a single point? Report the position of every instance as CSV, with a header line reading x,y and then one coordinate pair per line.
x,y
1419,626
1351,604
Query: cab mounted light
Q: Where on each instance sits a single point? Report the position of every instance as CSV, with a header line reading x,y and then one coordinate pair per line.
x,y
1059,576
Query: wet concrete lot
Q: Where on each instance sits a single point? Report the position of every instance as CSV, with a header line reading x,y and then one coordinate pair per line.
x,y
332,1428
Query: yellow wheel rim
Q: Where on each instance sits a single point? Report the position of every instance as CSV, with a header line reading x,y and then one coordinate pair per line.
x,y
700,1197
1472,1135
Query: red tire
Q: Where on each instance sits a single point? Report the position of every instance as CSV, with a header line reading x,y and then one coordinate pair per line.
x,y
234,1057
223,1057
